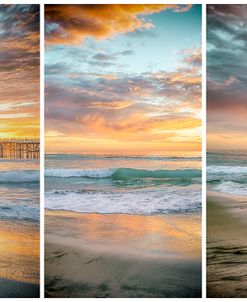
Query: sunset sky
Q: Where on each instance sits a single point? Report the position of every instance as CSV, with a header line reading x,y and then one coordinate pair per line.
x,y
123,78
226,77
19,71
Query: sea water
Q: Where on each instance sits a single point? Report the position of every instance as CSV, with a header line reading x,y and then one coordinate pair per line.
x,y
19,190
227,172
19,221
136,184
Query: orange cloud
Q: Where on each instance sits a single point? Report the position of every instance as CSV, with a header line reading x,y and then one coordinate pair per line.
x,y
19,72
150,109
115,104
71,24
138,126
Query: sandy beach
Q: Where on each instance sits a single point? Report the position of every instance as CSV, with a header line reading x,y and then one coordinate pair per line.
x,y
226,246
19,266
119,255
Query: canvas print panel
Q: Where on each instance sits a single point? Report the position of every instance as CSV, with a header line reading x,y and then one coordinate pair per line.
x,y
227,156
19,151
123,142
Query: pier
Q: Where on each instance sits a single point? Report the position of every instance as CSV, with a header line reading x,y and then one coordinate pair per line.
x,y
20,148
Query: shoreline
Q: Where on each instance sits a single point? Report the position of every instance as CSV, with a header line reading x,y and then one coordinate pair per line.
x,y
226,245
235,205
73,212
181,228
121,255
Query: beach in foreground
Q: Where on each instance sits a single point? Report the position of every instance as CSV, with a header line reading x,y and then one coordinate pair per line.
x,y
19,228
120,255
226,245
19,265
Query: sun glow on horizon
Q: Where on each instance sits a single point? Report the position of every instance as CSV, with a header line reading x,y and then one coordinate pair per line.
x,y
135,87
19,71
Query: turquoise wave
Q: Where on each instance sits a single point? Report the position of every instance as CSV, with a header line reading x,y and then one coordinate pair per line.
x,y
123,173
126,173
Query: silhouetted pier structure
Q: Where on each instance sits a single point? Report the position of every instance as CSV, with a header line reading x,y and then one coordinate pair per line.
x,y
20,148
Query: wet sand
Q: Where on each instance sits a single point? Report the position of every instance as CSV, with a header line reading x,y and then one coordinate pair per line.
x,y
19,265
226,246
15,289
95,255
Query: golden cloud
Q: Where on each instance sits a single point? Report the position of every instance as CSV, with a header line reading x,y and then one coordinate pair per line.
x,y
71,24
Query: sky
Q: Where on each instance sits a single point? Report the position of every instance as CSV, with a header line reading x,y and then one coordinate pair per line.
x,y
19,71
226,77
122,78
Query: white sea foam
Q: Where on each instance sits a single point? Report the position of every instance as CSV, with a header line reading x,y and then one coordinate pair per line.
x,y
147,202
227,170
64,173
228,179
122,185
231,187
19,176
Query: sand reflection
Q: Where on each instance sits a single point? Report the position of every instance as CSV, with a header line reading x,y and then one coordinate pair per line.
x,y
19,249
153,236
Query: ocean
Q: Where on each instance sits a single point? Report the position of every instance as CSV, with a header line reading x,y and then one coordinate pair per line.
x,y
114,184
19,224
19,190
226,172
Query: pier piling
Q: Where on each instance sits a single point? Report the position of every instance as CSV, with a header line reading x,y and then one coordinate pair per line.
x,y
20,148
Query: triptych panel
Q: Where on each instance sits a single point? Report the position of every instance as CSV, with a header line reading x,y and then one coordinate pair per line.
x,y
121,213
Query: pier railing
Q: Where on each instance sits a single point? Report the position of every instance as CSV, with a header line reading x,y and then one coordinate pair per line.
x,y
17,148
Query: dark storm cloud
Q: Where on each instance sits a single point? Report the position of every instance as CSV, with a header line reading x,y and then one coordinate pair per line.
x,y
226,42
226,55
226,73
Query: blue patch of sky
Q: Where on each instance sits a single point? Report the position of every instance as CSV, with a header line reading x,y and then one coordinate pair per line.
x,y
156,49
